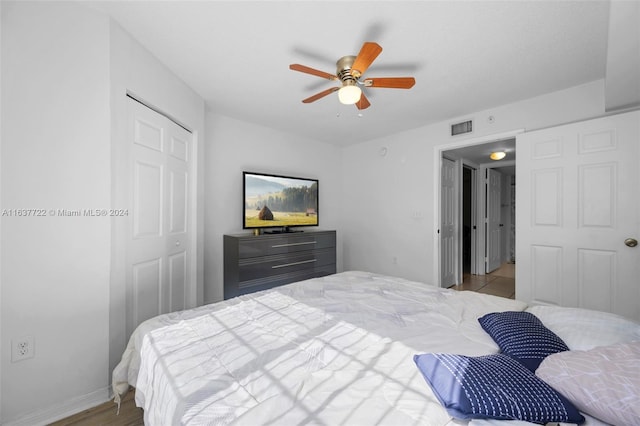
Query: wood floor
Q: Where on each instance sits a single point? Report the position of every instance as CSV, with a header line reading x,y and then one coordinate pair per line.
x,y
499,283
105,415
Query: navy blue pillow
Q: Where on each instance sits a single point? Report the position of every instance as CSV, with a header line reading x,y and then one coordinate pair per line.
x,y
522,336
493,387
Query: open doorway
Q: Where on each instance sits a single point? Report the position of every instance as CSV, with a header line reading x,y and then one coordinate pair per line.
x,y
468,224
484,212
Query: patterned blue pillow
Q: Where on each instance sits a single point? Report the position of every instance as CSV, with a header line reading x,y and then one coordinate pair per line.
x,y
522,336
493,387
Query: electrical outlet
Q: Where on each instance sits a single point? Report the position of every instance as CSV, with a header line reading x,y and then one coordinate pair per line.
x,y
22,348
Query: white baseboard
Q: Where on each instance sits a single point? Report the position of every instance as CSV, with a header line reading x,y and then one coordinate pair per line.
x,y
65,409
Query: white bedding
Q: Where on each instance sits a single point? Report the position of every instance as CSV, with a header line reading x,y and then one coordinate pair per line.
x,y
332,350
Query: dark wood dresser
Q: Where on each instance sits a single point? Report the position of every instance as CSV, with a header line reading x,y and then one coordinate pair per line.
x,y
259,262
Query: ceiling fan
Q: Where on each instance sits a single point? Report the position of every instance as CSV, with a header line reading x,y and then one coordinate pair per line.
x,y
349,71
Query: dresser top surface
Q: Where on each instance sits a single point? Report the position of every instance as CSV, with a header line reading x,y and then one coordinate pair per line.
x,y
281,234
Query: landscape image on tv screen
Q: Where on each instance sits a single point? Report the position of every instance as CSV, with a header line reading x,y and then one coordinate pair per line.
x,y
279,201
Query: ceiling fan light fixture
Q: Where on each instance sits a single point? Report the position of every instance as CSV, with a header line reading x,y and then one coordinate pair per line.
x,y
349,69
498,155
349,94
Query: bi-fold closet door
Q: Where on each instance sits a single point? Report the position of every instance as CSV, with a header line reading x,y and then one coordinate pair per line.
x,y
159,267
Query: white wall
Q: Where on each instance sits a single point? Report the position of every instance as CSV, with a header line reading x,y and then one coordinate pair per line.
x,y
55,155
65,72
234,146
2,345
389,224
623,60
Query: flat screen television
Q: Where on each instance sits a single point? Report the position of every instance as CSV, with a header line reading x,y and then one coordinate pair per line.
x,y
274,201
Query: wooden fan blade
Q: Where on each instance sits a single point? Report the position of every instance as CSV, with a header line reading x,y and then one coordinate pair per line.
x,y
368,53
320,95
312,71
363,103
391,82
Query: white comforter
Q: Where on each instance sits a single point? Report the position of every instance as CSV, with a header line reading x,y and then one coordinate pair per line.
x,y
333,350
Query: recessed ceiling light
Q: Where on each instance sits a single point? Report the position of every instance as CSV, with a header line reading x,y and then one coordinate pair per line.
x,y
498,155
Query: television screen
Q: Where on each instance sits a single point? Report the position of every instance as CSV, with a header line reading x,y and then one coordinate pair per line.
x,y
272,201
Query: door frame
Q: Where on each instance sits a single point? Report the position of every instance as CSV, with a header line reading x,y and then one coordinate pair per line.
x,y
439,151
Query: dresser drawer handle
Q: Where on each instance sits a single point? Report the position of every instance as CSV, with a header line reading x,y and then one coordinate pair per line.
x,y
293,264
293,244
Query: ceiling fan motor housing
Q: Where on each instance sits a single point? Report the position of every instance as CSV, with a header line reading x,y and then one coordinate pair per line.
x,y
343,70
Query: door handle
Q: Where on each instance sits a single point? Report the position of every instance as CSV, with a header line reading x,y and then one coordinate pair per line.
x,y
631,242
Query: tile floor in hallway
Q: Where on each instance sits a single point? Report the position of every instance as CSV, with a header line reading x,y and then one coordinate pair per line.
x,y
500,282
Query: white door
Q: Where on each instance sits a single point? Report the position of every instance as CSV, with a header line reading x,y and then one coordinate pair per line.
x,y
448,215
159,268
577,203
492,221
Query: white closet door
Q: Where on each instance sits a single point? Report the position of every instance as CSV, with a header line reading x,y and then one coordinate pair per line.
x,y
159,267
448,246
493,222
576,214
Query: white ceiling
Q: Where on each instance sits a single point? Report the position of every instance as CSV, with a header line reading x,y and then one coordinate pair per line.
x,y
479,154
466,56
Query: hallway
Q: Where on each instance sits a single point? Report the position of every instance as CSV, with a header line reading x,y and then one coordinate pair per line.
x,y
500,282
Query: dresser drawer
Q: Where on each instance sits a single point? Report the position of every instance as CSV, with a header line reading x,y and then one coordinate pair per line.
x,y
280,244
266,266
264,283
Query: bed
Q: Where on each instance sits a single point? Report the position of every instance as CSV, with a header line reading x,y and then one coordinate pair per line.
x,y
342,350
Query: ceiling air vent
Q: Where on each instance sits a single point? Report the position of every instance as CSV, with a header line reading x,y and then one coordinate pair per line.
x,y
461,128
